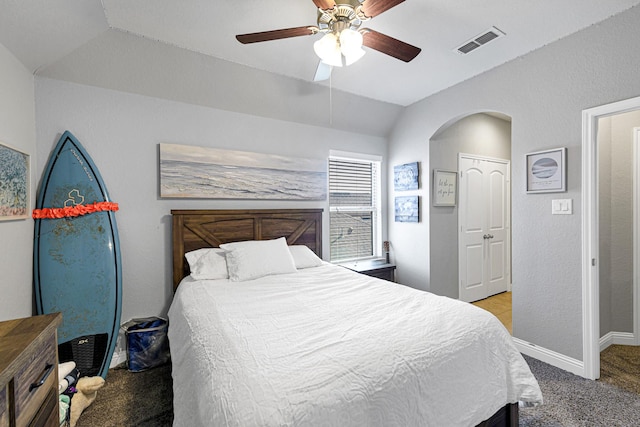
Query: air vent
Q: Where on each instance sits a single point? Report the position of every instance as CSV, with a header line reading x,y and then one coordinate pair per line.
x,y
481,39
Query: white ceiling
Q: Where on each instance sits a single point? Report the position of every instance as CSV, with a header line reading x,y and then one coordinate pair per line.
x,y
40,32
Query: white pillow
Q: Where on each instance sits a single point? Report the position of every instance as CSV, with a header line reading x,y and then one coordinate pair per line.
x,y
257,258
207,264
304,257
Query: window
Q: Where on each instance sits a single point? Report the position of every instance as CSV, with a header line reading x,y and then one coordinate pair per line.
x,y
354,208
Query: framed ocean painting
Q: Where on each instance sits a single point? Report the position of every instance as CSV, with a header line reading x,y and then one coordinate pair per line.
x,y
188,171
547,171
14,183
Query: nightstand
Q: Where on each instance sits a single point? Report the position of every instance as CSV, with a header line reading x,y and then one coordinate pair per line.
x,y
29,371
375,268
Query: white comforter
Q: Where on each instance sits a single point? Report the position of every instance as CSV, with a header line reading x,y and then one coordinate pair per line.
x,y
329,347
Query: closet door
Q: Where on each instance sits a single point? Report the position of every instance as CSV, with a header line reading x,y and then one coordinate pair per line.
x,y
484,234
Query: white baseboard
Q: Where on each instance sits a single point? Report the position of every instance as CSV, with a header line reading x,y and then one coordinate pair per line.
x,y
568,363
551,357
617,338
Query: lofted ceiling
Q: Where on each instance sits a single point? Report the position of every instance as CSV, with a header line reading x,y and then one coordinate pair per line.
x,y
41,32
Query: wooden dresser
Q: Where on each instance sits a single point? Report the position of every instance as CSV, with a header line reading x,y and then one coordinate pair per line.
x,y
29,371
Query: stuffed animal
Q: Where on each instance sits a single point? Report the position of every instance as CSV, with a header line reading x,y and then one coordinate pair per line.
x,y
87,391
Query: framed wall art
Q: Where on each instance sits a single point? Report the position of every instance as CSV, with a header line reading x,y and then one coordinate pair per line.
x,y
445,187
188,171
14,183
406,177
407,209
547,171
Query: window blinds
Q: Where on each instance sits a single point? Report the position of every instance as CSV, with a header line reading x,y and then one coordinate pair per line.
x,y
353,208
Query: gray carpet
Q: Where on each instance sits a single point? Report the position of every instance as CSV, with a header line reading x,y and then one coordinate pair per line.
x,y
572,401
145,399
142,399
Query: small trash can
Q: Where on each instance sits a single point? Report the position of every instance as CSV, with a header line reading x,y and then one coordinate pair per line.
x,y
147,343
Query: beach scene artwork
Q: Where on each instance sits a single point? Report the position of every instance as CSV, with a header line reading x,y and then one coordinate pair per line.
x,y
546,171
188,171
14,184
544,168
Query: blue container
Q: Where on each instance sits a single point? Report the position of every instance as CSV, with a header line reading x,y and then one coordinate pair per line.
x,y
147,343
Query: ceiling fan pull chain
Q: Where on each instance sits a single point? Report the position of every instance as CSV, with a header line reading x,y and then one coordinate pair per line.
x,y
330,101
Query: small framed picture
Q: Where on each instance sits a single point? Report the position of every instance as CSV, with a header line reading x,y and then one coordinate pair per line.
x,y
405,177
445,187
547,171
407,209
14,184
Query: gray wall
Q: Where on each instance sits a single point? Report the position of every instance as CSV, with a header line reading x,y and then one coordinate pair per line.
x,y
17,129
544,92
615,207
134,64
121,132
478,134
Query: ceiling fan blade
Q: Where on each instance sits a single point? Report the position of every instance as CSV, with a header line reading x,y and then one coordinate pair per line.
x,y
276,34
373,8
323,72
324,4
389,46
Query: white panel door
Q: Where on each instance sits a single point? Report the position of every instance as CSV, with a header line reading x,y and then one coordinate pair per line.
x,y
483,217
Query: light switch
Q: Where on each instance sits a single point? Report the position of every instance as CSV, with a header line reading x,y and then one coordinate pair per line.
x,y
562,207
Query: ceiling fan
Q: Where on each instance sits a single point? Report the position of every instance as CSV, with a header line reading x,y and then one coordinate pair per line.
x,y
343,38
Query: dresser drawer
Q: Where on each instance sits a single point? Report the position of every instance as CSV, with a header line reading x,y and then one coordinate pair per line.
x,y
48,415
34,381
29,371
4,407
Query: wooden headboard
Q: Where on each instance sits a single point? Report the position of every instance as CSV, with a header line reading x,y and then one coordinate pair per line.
x,y
196,229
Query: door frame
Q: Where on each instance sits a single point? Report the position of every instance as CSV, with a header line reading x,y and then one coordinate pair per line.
x,y
507,162
636,238
590,234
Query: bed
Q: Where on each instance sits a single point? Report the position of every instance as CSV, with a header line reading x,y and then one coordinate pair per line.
x,y
320,344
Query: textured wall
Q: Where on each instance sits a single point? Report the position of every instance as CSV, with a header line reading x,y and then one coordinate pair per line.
x,y
544,92
121,132
123,61
478,134
17,129
622,221
615,183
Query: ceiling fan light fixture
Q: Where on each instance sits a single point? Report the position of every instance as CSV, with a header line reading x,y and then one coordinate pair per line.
x,y
350,40
328,50
351,45
353,56
342,41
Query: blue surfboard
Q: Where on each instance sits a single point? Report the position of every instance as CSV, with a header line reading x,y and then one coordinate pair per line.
x,y
76,257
